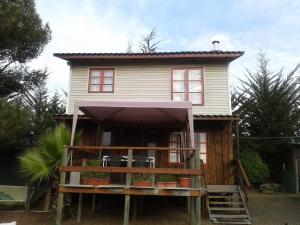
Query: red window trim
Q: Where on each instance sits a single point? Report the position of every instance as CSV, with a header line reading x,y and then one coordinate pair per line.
x,y
206,143
177,152
186,81
102,69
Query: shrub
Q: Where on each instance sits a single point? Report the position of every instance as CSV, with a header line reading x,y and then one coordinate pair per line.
x,y
256,170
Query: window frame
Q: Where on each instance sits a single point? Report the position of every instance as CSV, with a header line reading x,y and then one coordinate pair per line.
x,y
101,85
178,153
186,82
199,143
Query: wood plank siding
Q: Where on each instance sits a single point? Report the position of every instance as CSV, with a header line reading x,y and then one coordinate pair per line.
x,y
152,82
218,168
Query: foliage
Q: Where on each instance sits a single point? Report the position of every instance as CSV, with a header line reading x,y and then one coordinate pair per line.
x,y
256,169
15,125
268,105
41,163
141,177
166,178
23,37
91,174
148,44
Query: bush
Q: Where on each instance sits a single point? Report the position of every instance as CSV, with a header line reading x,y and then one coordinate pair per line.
x,y
257,171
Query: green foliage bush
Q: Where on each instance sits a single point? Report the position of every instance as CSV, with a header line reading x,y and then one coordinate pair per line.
x,y
257,171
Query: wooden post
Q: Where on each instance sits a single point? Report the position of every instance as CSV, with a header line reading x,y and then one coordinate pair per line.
x,y
192,199
28,197
198,186
79,209
47,199
93,203
60,198
237,138
128,183
135,206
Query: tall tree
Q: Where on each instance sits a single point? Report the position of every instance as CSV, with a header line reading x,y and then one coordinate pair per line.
x,y
268,104
23,37
148,43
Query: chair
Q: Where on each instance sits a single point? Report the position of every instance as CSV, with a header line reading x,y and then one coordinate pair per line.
x,y
115,161
140,161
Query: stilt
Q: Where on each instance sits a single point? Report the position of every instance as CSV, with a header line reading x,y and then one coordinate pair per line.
x,y
192,211
47,199
126,210
198,210
93,203
135,206
79,209
60,198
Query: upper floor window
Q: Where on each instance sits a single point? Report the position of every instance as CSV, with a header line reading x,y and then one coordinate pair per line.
x,y
101,80
187,85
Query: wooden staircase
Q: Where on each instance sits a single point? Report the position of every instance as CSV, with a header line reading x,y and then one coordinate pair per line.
x,y
226,205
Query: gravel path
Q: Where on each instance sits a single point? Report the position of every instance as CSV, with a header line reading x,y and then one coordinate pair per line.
x,y
276,209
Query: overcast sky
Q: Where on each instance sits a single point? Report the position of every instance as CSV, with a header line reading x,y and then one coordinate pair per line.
x,y
106,26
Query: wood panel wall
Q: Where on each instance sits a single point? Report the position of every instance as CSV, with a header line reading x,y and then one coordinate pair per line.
x,y
218,169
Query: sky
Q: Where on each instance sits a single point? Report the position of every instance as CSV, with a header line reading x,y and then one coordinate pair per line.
x,y
271,26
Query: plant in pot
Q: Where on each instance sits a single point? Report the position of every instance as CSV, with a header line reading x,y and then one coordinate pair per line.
x,y
93,178
185,181
166,180
142,180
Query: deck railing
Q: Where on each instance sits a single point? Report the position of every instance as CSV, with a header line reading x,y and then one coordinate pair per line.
x,y
191,169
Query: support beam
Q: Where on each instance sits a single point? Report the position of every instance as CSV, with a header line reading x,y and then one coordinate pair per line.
x,y
79,209
237,138
60,198
93,203
128,183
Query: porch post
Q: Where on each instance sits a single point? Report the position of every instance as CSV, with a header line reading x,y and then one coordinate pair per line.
x,y
60,198
75,117
127,197
191,126
237,137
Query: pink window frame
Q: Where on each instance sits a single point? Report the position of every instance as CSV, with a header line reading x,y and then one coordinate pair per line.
x,y
186,83
101,85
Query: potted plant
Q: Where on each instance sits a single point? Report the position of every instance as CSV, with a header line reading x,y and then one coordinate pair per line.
x,y
142,180
93,178
185,182
166,180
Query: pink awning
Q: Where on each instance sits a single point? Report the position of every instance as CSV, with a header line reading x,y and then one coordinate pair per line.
x,y
124,113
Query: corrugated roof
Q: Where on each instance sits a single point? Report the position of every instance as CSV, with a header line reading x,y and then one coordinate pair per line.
x,y
155,55
196,117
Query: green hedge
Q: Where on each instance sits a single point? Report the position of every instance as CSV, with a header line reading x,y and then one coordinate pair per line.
x,y
257,171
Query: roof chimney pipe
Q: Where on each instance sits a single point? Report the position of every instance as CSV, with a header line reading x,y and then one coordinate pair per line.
x,y
216,45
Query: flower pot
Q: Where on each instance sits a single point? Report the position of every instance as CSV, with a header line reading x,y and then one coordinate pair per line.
x,y
184,182
170,184
160,184
142,183
96,181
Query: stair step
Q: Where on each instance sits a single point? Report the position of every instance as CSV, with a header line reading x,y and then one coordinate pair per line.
x,y
227,209
225,203
225,196
223,191
240,221
228,216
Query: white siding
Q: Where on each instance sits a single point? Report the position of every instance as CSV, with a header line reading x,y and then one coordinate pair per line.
x,y
152,82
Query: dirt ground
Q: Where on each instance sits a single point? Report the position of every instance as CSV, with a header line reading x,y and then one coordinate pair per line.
x,y
276,209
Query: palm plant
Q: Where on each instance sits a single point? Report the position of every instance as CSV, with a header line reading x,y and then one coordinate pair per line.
x,y
40,164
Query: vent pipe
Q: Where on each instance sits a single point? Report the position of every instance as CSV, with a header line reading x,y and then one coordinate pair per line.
x,y
216,45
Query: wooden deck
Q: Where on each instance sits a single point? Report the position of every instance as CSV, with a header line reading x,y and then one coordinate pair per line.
x,y
191,169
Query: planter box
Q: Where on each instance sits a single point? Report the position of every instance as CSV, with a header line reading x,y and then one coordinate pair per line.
x,y
185,182
142,183
96,181
166,184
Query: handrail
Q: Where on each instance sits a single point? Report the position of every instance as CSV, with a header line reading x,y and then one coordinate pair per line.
x,y
126,148
174,171
243,173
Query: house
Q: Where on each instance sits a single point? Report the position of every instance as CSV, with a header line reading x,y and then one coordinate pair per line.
x,y
170,106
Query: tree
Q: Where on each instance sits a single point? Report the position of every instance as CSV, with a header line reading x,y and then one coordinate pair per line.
x,y
268,104
15,125
23,37
148,44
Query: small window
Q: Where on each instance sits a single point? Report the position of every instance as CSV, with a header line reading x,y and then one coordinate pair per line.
x,y
101,80
175,142
187,85
201,144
